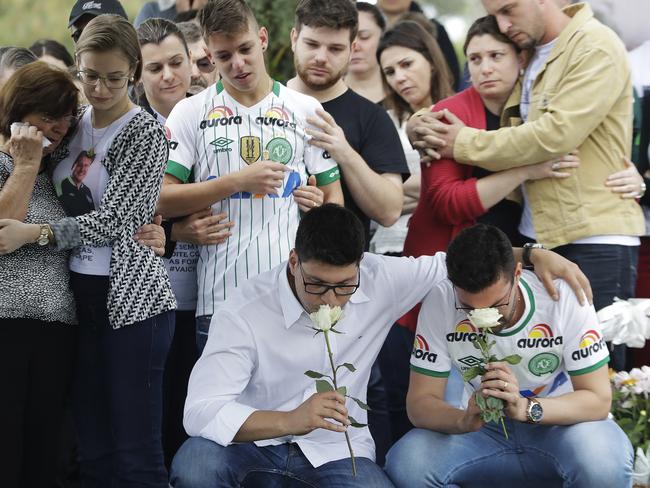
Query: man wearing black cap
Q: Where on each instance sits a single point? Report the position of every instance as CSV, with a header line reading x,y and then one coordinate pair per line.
x,y
86,10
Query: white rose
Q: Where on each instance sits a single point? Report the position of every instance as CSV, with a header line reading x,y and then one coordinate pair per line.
x,y
322,318
336,314
483,318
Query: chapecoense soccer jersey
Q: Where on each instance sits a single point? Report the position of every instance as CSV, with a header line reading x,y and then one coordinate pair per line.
x,y
556,340
211,135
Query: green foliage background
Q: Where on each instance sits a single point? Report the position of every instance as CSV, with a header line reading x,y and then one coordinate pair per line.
x,y
24,21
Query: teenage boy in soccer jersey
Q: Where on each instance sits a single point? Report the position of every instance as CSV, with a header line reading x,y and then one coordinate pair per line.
x,y
556,399
244,143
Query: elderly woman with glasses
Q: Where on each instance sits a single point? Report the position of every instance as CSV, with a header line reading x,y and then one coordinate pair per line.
x,y
124,299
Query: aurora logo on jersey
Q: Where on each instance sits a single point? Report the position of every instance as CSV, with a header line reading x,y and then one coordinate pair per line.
x,y
276,117
421,350
464,332
591,342
168,134
540,336
221,144
220,115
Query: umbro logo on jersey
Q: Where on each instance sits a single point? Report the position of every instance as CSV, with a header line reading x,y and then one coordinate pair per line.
x,y
221,144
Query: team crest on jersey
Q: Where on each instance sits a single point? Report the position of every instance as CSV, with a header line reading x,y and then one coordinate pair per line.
x,y
543,363
279,150
591,342
250,149
540,336
168,134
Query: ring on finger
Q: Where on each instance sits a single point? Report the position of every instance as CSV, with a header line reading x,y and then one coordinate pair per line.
x,y
554,166
505,385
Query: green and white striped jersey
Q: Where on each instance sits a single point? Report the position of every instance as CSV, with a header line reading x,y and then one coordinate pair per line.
x,y
210,135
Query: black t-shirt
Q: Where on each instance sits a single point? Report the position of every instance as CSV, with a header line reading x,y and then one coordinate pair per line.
x,y
371,133
506,214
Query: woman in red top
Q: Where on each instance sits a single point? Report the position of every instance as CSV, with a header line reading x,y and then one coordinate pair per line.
x,y
452,195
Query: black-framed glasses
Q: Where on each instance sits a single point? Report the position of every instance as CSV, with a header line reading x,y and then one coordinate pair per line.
x,y
112,82
498,305
321,289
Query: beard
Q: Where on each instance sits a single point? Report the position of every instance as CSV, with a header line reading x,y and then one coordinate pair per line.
x,y
316,83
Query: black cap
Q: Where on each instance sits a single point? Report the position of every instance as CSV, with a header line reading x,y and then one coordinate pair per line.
x,y
95,8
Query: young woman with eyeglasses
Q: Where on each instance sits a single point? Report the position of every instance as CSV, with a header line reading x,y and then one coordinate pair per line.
x,y
124,298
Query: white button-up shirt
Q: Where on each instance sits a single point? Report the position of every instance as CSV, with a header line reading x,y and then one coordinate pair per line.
x,y
260,344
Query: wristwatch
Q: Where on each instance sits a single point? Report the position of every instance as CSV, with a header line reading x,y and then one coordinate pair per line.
x,y
46,235
534,411
528,247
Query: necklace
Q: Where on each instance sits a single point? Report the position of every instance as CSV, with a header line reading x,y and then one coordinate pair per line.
x,y
91,150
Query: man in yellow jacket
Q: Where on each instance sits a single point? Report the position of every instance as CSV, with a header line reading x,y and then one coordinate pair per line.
x,y
576,92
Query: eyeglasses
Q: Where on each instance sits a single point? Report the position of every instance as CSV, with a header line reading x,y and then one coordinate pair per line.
x,y
49,119
470,309
112,82
321,289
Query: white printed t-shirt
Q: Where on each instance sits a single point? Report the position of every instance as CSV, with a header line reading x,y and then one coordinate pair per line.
x,y
211,135
80,181
555,339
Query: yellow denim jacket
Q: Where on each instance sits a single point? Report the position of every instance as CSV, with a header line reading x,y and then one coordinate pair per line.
x,y
581,98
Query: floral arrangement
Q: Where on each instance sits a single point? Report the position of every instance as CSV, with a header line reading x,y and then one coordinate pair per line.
x,y
324,321
492,409
630,407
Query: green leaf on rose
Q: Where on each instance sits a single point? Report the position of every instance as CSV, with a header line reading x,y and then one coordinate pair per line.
x,y
315,374
494,403
323,385
471,373
360,403
512,359
354,423
348,366
480,401
342,390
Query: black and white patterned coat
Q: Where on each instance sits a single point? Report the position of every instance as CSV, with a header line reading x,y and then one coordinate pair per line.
x,y
139,287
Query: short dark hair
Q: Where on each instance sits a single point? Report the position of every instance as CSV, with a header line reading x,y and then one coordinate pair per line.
x,y
156,30
107,32
228,17
191,31
412,35
335,14
487,25
12,57
36,88
187,16
373,10
330,234
52,48
478,257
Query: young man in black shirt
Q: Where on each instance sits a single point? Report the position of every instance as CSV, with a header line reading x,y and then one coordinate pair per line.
x,y
357,133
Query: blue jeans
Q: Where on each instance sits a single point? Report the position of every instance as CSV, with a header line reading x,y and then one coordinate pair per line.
x,y
117,398
611,270
202,330
201,463
584,455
